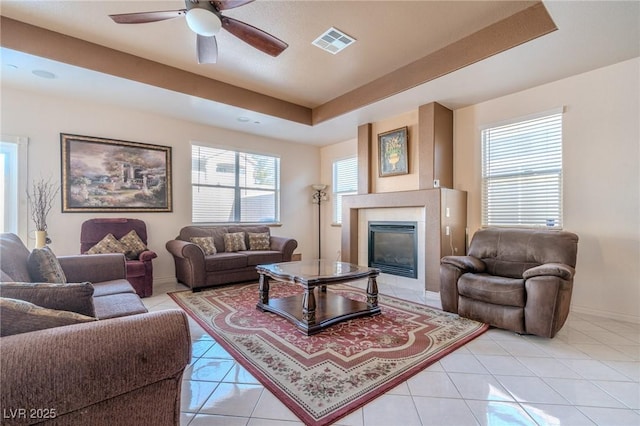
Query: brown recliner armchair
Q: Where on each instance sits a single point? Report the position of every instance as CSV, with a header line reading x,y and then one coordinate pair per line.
x,y
516,279
140,269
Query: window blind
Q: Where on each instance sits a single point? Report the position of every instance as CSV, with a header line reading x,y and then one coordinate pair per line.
x,y
345,182
522,173
234,187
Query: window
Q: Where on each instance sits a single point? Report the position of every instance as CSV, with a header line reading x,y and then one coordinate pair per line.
x,y
522,173
13,162
345,182
234,187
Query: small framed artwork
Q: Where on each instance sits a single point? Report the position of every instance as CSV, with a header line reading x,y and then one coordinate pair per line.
x,y
108,175
392,152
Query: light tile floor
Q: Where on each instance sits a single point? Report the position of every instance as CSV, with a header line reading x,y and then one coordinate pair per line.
x,y
589,374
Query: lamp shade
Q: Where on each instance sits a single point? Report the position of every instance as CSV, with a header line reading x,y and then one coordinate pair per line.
x,y
203,22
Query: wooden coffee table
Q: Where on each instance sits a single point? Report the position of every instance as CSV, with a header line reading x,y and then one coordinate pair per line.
x,y
312,311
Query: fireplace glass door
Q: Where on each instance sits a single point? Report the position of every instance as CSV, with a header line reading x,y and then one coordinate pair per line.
x,y
393,248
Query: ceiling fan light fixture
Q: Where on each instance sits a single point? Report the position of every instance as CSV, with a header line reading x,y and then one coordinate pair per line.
x,y
203,22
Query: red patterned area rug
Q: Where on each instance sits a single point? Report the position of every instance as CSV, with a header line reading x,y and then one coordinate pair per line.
x,y
327,375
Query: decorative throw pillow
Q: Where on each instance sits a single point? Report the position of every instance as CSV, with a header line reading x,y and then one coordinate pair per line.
x,y
206,244
133,245
19,316
259,241
234,241
74,297
109,244
44,266
256,229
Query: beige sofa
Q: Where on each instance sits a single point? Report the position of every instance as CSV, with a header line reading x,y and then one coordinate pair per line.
x,y
123,366
197,270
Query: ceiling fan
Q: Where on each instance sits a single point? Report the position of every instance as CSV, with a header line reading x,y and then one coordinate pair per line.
x,y
204,18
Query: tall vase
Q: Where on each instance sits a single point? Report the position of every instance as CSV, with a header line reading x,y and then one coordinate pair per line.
x,y
41,239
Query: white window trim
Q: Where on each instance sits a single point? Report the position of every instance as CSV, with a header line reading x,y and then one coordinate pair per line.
x,y
533,116
334,193
245,151
23,173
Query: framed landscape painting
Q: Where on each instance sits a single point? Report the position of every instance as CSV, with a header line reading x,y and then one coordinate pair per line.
x,y
107,175
392,153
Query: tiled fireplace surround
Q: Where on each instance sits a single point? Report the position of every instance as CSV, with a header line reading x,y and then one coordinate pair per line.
x,y
441,212
409,214
426,207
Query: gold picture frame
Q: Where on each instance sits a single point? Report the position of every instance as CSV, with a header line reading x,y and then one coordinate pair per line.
x,y
392,152
109,175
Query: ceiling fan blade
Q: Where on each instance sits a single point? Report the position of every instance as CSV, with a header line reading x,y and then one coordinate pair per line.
x,y
144,17
229,4
255,37
207,49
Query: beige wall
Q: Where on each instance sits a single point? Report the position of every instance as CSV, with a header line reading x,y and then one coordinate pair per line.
x,y
331,232
601,189
601,177
43,118
400,182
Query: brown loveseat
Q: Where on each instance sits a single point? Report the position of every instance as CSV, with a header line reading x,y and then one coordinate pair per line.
x,y
124,367
197,270
517,279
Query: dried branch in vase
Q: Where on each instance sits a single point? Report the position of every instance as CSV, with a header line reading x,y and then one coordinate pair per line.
x,y
41,200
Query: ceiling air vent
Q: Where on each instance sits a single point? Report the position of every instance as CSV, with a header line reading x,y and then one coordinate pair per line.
x,y
333,41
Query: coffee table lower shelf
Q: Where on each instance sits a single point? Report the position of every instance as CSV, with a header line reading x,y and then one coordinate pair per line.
x,y
330,309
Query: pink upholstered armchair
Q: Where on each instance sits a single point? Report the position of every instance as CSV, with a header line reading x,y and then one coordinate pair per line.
x,y
140,269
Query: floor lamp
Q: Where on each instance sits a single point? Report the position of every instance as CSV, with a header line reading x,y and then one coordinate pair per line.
x,y
319,195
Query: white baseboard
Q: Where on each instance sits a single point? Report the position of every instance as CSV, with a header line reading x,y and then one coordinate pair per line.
x,y
578,310
168,280
171,280
606,314
432,294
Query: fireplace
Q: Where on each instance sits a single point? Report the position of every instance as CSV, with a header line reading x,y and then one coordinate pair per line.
x,y
393,248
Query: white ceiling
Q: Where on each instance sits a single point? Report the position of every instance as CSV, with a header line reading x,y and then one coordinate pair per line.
x,y
390,34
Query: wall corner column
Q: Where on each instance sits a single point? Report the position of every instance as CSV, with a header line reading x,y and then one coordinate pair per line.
x,y
435,146
364,158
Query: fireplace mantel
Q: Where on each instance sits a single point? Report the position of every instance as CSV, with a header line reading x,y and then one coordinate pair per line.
x,y
445,222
